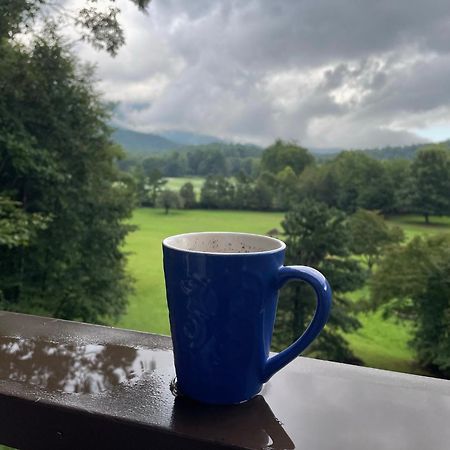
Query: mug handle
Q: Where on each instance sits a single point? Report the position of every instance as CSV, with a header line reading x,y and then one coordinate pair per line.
x,y
323,292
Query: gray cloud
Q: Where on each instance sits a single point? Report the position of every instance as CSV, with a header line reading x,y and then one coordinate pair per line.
x,y
325,73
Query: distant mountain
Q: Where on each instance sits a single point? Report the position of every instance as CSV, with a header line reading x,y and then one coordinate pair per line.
x,y
188,138
390,152
142,143
404,152
325,151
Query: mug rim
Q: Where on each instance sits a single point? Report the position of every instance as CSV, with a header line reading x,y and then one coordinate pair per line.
x,y
281,245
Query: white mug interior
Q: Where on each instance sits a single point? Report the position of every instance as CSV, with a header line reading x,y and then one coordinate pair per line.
x,y
223,243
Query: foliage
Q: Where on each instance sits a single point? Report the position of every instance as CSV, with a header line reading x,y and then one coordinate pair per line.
x,y
362,183
17,228
199,160
154,184
187,195
57,163
96,25
392,153
318,236
251,194
285,154
217,193
430,182
413,283
168,200
370,235
352,180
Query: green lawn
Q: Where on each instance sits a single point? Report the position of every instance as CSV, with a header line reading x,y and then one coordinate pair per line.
x,y
380,343
415,225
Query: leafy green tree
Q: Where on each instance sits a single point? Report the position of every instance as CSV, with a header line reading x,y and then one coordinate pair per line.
x,y
17,228
398,171
286,191
430,181
244,192
319,182
58,163
262,197
213,162
412,282
187,195
281,154
217,193
168,200
175,165
154,184
318,236
96,25
370,235
362,182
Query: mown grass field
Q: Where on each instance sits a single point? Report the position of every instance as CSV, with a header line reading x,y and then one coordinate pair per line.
x,y
175,183
380,343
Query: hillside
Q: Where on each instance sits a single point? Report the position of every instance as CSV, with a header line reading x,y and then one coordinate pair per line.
x,y
405,152
188,138
142,143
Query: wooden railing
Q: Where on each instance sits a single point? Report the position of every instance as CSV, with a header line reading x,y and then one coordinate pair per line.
x,y
72,385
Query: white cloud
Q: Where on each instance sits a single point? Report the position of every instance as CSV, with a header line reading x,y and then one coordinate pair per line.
x,y
322,72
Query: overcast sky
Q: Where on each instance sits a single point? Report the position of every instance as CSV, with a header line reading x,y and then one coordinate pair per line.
x,y
326,73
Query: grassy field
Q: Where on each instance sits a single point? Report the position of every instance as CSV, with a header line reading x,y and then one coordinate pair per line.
x,y
176,183
380,343
384,343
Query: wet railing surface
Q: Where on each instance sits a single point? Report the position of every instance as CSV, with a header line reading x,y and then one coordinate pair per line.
x,y
71,385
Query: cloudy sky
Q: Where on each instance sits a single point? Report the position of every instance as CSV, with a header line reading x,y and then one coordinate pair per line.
x,y
326,73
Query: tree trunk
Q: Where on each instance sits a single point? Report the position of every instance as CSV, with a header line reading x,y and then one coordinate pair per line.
x,y
167,210
427,218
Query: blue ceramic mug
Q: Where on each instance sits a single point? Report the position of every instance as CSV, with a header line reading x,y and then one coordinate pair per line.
x,y
222,291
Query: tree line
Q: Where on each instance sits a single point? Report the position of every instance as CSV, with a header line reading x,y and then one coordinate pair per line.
x,y
287,173
198,160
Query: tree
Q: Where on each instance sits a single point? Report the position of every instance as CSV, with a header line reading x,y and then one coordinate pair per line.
x,y
262,198
187,195
17,228
217,192
281,154
398,171
370,235
154,184
286,192
412,282
430,181
318,236
168,199
58,163
100,27
362,182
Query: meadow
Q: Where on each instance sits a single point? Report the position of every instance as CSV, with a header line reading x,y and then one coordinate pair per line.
x,y
175,183
379,342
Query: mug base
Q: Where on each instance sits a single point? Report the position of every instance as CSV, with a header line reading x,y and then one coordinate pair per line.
x,y
177,392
